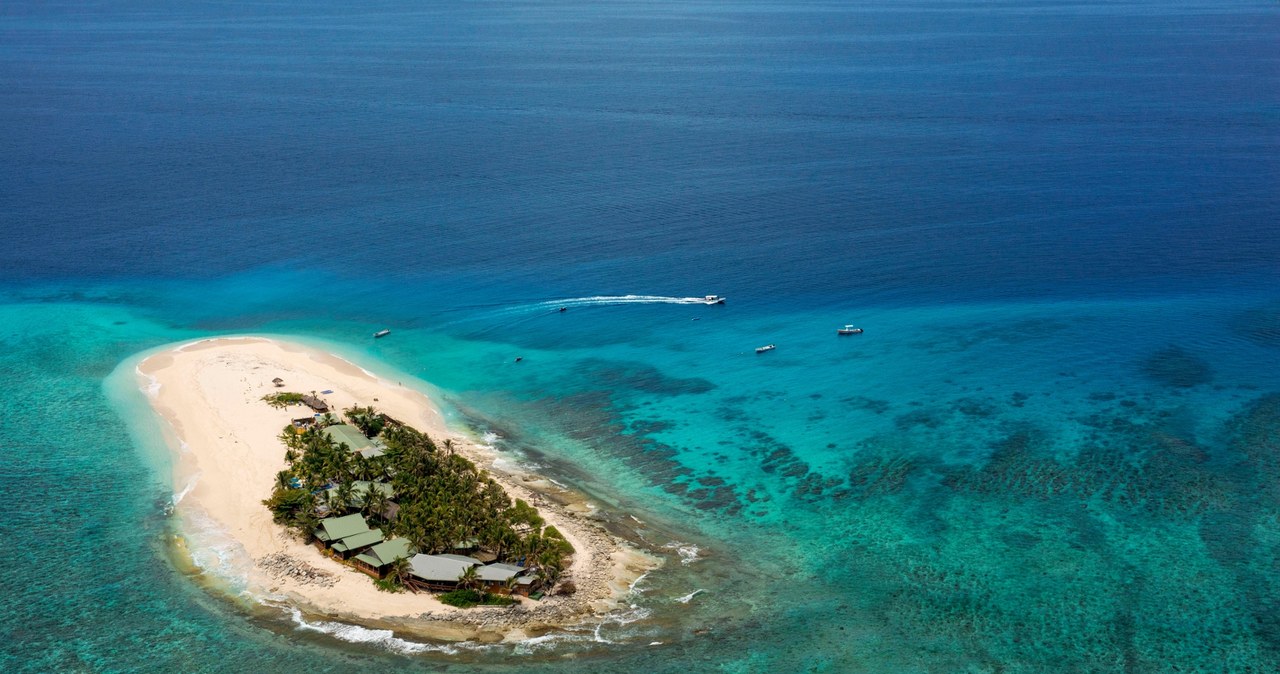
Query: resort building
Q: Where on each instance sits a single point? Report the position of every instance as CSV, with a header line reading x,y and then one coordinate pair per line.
x,y
315,403
377,560
346,535
438,572
352,545
360,488
496,578
355,440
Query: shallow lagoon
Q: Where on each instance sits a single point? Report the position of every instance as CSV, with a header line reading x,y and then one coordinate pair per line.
x,y
1052,449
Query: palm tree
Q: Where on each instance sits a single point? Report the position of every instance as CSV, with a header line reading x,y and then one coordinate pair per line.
x,y
399,571
342,497
470,580
375,502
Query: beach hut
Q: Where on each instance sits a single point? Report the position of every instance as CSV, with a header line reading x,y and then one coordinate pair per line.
x,y
527,584
342,530
352,545
278,382
377,560
438,572
315,403
494,577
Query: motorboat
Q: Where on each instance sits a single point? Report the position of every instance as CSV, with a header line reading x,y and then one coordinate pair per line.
x,y
766,347
849,330
381,333
712,299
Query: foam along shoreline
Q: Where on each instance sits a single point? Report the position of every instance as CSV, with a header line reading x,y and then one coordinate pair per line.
x,y
227,453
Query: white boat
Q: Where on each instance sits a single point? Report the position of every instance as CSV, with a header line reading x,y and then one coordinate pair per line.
x,y
381,333
712,299
766,347
849,330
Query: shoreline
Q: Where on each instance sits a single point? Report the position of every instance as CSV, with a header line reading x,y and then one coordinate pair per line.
x,y
225,453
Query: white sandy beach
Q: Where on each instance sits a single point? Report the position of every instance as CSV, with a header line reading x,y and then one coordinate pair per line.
x,y
211,391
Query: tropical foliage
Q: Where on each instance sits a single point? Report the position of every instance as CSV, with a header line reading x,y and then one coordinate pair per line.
x,y
469,598
283,399
442,500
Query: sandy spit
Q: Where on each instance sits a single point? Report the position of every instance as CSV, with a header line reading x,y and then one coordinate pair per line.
x,y
225,442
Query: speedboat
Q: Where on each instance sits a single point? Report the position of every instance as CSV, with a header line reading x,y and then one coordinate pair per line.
x,y
712,299
766,347
849,330
381,333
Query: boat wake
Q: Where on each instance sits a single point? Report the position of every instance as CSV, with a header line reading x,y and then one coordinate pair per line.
x,y
610,300
514,315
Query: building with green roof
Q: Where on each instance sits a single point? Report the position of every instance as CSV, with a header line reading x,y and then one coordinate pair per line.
x,y
377,560
353,544
361,487
334,529
349,435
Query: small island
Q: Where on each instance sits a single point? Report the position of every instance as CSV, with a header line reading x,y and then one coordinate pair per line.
x,y
382,497
367,508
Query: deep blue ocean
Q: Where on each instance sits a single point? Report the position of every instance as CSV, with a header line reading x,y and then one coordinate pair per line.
x,y
1055,448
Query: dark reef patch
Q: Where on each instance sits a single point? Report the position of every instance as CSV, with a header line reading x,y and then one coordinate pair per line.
x,y
1176,367
974,407
926,418
617,376
953,340
867,404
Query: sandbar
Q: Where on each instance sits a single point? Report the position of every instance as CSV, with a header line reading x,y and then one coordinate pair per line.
x,y
227,452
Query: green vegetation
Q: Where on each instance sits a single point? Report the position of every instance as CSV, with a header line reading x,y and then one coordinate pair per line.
x,y
283,399
469,598
443,502
367,419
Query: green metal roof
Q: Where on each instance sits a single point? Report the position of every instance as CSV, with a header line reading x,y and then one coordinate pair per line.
x,y
386,552
346,433
361,487
360,540
338,528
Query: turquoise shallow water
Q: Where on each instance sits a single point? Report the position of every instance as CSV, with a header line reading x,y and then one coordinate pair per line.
x,y
962,485
1054,448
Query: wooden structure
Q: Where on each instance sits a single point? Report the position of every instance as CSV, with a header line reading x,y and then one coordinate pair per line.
x,y
346,535
315,403
377,560
438,572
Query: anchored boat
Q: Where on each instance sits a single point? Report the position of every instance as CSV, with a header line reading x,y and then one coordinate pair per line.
x,y
766,347
849,330
381,333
